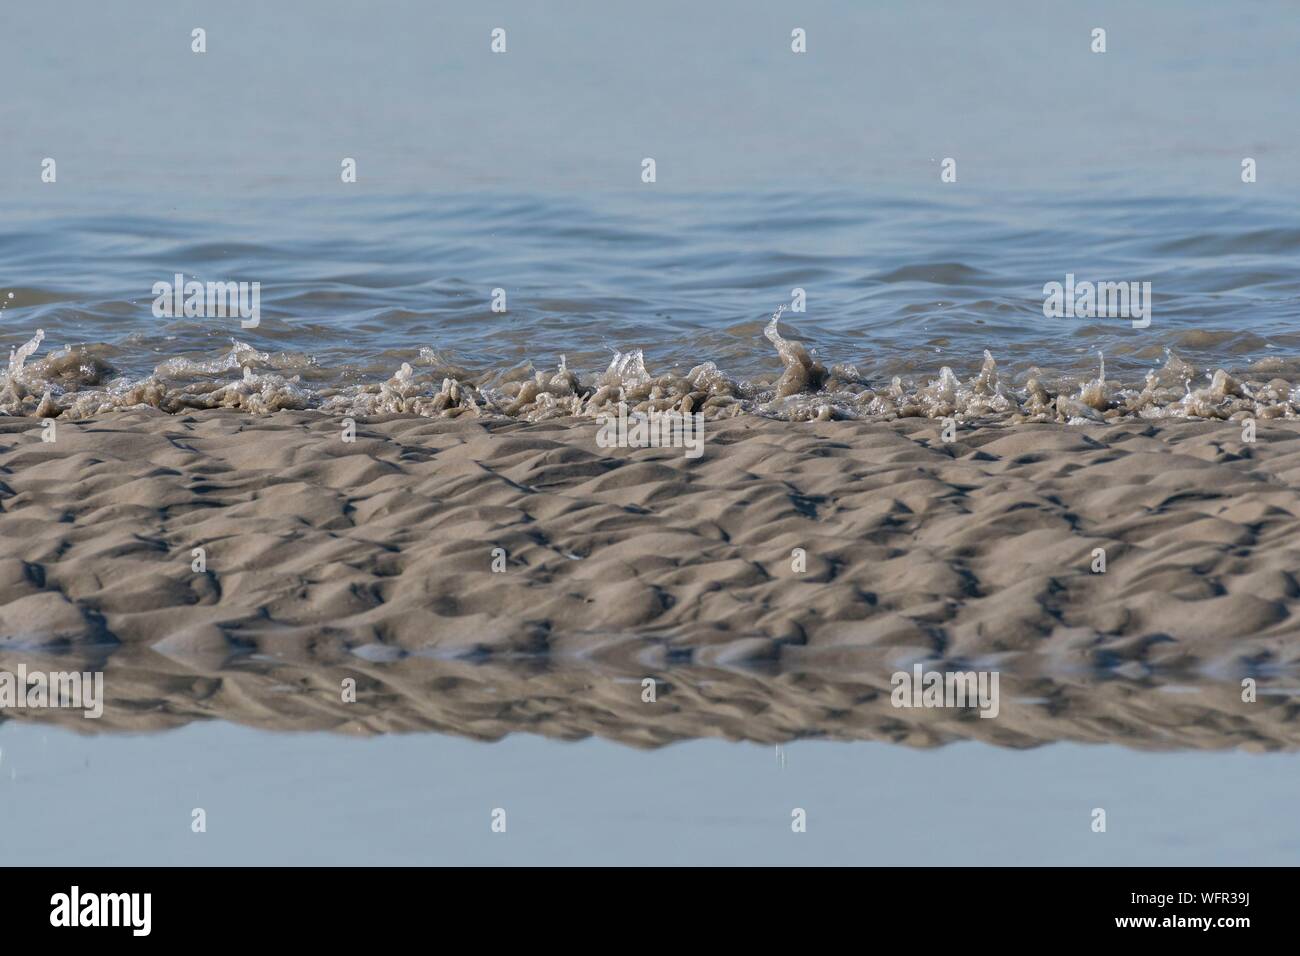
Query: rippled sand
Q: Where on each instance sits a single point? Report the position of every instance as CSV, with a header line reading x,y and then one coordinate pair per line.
x,y
979,549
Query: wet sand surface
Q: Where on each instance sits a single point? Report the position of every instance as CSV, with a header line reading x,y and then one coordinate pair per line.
x,y
373,559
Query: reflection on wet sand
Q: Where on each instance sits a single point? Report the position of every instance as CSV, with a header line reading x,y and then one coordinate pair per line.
x,y
571,699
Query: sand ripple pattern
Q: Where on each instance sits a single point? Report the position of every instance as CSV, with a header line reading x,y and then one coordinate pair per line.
x,y
978,549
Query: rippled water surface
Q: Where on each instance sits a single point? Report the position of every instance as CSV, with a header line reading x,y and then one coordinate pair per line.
x,y
352,288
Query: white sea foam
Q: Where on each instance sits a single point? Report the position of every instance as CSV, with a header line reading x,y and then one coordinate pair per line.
x,y
77,384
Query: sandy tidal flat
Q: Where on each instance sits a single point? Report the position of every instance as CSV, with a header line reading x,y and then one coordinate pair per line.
x,y
977,552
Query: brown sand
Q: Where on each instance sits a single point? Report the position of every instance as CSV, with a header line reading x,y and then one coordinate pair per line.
x,y
335,556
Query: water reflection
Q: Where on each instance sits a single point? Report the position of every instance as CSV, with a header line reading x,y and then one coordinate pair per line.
x,y
571,699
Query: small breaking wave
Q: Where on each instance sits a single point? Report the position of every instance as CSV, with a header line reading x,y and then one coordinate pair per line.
x,y
74,383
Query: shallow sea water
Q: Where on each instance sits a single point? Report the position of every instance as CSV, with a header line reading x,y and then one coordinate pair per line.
x,y
316,799
775,171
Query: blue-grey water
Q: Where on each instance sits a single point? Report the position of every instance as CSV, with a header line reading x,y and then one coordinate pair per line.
x,y
894,285
316,799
